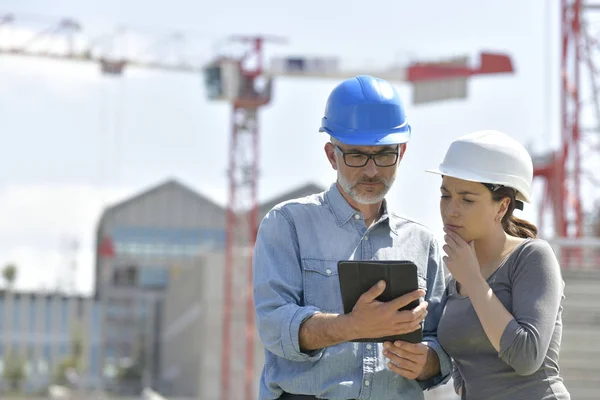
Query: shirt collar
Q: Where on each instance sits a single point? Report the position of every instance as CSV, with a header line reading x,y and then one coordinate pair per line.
x,y
343,212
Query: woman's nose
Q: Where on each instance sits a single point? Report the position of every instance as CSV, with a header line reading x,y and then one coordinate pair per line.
x,y
451,209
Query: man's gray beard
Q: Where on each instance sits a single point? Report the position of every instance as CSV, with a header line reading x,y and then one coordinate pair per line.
x,y
368,198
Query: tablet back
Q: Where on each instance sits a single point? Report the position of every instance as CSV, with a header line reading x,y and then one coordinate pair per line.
x,y
356,277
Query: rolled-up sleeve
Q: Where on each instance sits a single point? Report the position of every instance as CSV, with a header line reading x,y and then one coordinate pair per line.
x,y
537,290
278,288
436,301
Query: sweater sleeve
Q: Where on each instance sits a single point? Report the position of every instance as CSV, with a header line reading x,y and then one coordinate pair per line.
x,y
537,292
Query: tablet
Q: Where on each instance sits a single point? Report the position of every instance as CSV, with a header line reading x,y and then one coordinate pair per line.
x,y
356,277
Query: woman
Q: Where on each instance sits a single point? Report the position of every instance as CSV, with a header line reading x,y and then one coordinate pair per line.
x,y
502,322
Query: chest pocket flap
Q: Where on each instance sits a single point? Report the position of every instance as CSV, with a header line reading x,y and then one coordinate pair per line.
x,y
321,284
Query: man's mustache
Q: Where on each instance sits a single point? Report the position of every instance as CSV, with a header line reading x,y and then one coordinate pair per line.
x,y
370,180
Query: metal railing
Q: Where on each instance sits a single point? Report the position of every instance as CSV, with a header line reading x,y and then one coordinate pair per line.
x,y
577,254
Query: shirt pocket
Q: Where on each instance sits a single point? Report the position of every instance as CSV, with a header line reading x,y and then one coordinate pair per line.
x,y
321,285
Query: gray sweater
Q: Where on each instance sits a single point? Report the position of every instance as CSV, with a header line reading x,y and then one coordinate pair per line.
x,y
530,285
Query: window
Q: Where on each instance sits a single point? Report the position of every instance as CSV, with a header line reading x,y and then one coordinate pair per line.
x,y
167,241
126,276
80,307
1,314
213,82
16,315
32,314
154,277
95,360
48,315
64,315
96,318
48,353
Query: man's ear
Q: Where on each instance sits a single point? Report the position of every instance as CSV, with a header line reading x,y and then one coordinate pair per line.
x,y
330,153
401,151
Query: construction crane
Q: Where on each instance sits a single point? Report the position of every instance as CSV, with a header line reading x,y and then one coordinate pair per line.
x,y
247,84
563,170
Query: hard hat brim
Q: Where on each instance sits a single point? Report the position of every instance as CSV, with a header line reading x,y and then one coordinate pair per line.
x,y
473,177
372,139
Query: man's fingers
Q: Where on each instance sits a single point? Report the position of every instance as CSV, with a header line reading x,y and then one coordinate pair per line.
x,y
410,320
408,374
402,366
420,311
405,300
406,359
405,349
416,314
411,326
374,292
409,363
402,328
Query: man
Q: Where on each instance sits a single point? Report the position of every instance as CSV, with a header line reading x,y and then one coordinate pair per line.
x,y
307,338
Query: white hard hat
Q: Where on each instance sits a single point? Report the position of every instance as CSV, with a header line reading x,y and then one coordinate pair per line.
x,y
492,157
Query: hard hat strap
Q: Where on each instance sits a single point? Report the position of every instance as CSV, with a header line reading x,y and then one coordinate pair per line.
x,y
493,187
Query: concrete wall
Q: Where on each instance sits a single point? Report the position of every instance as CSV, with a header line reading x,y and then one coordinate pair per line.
x,y
193,326
580,353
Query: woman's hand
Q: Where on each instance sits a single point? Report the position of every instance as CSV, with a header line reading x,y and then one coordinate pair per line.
x,y
460,258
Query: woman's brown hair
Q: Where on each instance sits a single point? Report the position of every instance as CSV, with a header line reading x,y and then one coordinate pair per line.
x,y
512,225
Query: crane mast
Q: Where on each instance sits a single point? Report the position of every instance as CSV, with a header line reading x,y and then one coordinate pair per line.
x,y
564,171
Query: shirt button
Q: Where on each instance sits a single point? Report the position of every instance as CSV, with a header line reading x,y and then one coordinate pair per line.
x,y
369,347
328,271
367,383
356,216
366,237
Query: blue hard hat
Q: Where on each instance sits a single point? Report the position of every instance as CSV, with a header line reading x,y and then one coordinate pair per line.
x,y
365,111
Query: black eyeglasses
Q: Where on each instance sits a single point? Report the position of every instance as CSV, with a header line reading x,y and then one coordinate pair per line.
x,y
355,159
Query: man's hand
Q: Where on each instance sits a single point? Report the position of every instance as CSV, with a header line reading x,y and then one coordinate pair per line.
x,y
371,318
412,360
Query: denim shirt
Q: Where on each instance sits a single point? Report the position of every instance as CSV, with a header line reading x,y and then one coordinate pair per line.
x,y
295,260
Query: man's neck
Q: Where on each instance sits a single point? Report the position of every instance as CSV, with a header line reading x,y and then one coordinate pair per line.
x,y
370,212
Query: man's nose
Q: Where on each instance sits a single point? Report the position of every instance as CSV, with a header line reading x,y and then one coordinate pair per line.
x,y
370,168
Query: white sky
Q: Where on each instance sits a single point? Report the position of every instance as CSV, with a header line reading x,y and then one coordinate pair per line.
x,y
75,141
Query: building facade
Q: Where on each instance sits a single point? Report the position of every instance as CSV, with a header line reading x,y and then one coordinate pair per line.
x,y
39,331
192,335
140,242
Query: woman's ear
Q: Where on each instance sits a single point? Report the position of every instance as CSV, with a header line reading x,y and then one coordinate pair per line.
x,y
503,208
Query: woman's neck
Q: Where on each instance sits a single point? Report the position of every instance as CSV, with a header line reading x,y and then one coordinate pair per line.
x,y
492,249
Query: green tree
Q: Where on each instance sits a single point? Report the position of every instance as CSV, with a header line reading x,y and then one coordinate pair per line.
x,y
135,371
74,361
9,274
14,371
